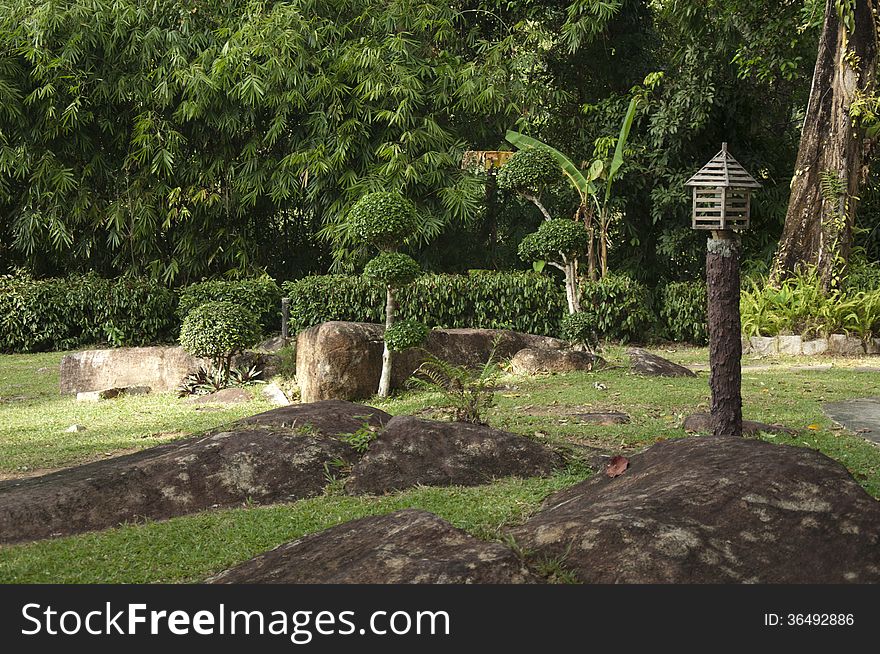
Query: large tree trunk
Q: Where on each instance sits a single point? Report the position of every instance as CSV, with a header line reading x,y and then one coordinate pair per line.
x,y
387,355
818,226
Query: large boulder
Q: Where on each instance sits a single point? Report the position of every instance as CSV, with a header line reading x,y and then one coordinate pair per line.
x,y
406,547
713,510
160,368
330,417
645,363
411,451
532,361
276,457
343,360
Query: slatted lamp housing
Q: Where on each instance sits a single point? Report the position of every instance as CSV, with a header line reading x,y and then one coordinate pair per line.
x,y
721,194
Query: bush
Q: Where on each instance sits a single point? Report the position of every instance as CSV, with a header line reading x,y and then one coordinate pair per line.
x,y
619,308
219,330
554,236
798,306
392,269
525,302
529,169
683,312
579,329
261,296
383,219
405,334
67,313
862,275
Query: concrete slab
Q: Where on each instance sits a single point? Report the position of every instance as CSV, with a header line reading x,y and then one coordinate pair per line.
x,y
861,416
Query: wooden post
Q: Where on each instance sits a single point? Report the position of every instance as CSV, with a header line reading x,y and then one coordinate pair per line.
x,y
285,317
725,334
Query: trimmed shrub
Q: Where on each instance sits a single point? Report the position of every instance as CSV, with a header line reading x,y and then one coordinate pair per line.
x,y
392,269
529,169
405,334
683,312
66,313
554,236
383,219
261,296
525,302
619,307
219,330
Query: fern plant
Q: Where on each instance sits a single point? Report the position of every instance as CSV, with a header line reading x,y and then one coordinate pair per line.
x,y
469,392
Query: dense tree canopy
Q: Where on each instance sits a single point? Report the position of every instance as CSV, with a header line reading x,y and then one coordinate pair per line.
x,y
189,138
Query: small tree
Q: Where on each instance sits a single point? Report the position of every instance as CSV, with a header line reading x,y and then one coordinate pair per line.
x,y
559,242
218,331
385,220
529,172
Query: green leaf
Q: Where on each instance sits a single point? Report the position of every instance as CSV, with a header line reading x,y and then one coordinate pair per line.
x,y
538,266
617,159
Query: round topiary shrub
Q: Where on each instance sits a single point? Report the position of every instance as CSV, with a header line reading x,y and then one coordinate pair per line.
x,y
392,269
218,331
579,329
406,334
529,169
383,219
553,237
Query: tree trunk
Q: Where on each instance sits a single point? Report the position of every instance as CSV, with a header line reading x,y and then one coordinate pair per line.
x,y
387,355
569,268
828,173
725,337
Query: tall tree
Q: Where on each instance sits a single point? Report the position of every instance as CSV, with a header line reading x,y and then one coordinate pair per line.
x,y
828,173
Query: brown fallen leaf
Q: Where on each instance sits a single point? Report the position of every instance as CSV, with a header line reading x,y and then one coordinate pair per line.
x,y
617,466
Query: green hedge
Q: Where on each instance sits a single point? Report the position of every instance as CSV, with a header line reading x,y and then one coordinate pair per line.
x,y
620,308
683,312
261,296
72,312
525,302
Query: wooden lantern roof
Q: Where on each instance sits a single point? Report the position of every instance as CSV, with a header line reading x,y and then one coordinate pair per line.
x,y
723,171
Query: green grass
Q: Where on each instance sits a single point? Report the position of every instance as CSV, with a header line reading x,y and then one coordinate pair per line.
x,y
33,416
192,547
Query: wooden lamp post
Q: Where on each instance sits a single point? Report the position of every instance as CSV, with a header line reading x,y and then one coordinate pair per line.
x,y
721,191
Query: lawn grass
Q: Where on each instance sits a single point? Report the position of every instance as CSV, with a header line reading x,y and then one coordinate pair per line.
x,y
34,417
190,548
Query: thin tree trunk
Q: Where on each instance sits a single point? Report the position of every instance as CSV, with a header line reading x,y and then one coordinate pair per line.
x,y
725,339
387,355
534,200
818,226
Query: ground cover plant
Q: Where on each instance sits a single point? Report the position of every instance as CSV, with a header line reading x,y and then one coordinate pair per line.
x,y
190,548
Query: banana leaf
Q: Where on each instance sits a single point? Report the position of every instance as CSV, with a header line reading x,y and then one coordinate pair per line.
x,y
617,159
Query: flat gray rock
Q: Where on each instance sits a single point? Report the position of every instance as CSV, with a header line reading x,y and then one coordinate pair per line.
x,y
861,416
406,547
645,363
412,452
712,510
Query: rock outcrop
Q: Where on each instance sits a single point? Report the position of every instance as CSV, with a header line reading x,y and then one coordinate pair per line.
x,y
406,547
713,510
